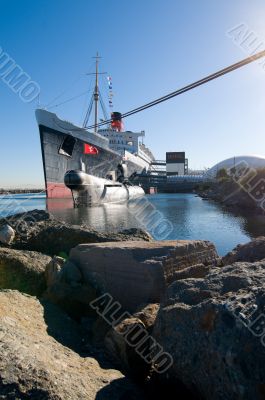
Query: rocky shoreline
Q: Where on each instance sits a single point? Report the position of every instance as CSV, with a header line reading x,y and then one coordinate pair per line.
x,y
233,195
87,315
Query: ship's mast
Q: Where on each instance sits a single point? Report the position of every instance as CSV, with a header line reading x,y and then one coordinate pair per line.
x,y
95,98
96,94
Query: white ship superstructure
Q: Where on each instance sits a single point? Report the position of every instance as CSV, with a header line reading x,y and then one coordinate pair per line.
x,y
128,144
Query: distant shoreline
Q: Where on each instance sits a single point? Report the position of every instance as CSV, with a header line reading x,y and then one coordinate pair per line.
x,y
20,191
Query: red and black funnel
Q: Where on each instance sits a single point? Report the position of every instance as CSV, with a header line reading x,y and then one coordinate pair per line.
x,y
116,121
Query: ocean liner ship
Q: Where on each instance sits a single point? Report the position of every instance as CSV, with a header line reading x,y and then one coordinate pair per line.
x,y
110,153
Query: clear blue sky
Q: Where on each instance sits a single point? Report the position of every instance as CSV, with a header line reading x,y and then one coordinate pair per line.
x,y
149,47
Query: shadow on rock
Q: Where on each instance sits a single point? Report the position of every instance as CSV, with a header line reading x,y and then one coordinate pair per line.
x,y
71,334
61,327
111,392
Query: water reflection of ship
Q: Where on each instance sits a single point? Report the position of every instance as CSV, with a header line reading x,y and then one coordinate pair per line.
x,y
105,217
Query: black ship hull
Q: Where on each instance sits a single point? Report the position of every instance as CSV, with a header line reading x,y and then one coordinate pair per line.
x,y
62,151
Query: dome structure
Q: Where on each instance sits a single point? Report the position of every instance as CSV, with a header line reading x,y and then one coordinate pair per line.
x,y
250,161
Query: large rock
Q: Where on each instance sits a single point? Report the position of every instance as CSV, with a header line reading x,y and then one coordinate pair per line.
x,y
251,251
54,238
7,234
40,359
27,217
67,288
124,353
214,328
136,273
53,270
147,314
38,231
117,344
23,270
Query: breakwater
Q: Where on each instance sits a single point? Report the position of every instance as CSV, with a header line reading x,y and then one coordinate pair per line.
x,y
173,315
20,191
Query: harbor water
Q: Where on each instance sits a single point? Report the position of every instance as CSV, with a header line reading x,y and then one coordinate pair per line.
x,y
165,216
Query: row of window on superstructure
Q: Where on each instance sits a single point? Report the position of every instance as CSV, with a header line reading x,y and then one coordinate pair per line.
x,y
121,142
117,135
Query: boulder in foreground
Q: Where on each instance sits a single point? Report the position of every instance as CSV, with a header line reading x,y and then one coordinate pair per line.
x,y
23,270
38,360
214,328
118,346
251,251
137,272
67,288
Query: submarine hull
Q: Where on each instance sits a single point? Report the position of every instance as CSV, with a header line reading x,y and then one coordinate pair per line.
x,y
88,190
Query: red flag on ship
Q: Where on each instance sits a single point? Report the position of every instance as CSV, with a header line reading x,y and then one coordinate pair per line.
x,y
89,149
